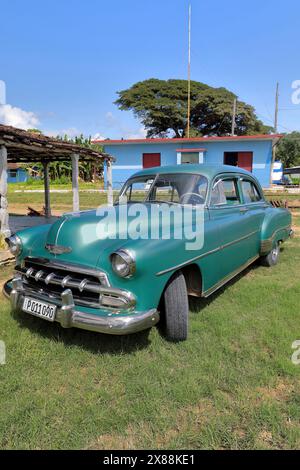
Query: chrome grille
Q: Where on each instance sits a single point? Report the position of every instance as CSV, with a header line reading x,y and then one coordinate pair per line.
x,y
89,287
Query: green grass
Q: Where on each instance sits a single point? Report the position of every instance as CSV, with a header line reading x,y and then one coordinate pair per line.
x,y
232,385
59,201
33,185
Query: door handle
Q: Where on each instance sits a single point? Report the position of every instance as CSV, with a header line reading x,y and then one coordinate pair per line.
x,y
243,210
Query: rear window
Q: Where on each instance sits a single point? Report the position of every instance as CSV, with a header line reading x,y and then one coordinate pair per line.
x,y
250,192
225,192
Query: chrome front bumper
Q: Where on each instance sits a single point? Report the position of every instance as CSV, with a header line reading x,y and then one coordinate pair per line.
x,y
69,317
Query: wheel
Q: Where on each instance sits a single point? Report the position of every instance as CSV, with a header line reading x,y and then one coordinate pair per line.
x,y
176,308
272,258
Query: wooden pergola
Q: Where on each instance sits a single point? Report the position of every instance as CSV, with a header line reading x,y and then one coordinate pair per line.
x,y
18,146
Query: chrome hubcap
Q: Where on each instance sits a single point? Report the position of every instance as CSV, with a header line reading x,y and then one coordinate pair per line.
x,y
274,253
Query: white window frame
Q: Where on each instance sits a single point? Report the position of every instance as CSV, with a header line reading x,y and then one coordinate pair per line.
x,y
200,153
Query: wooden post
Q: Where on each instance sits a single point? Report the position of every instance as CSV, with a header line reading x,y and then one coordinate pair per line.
x,y
110,194
47,189
75,177
4,223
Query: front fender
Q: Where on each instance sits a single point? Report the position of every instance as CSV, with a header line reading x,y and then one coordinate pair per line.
x,y
151,256
31,237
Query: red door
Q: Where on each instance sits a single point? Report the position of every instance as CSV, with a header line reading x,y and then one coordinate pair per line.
x,y
245,160
151,159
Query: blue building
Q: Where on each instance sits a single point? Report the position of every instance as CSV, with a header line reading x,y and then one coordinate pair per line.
x,y
253,153
16,174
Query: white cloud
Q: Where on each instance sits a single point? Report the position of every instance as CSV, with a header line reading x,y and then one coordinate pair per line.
x,y
70,132
124,131
17,117
140,134
98,136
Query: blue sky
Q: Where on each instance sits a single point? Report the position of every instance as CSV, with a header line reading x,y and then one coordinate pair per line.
x,y
63,61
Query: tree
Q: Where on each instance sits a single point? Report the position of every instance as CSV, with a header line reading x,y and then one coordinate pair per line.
x,y
288,150
35,131
62,170
161,105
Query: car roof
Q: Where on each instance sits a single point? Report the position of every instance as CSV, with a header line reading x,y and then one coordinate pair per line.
x,y
210,171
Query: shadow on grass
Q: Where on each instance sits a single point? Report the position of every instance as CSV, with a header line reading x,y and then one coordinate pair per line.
x,y
96,343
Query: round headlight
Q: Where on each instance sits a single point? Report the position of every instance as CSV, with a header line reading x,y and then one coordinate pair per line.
x,y
15,245
123,263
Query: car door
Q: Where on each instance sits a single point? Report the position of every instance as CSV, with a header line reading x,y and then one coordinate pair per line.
x,y
227,209
255,206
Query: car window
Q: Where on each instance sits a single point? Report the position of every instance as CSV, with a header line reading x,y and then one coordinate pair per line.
x,y
250,192
178,188
225,192
137,190
165,192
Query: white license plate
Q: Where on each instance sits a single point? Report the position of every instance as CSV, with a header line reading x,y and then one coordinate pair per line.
x,y
39,309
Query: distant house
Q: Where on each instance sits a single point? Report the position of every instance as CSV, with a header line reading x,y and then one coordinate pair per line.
x,y
253,153
16,174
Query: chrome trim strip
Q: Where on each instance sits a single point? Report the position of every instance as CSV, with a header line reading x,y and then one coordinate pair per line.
x,y
221,247
69,317
160,273
230,276
240,239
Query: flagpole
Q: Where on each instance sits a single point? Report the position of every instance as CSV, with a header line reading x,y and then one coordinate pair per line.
x,y
189,75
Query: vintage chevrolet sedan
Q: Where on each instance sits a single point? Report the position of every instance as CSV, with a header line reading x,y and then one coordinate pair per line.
x,y
67,272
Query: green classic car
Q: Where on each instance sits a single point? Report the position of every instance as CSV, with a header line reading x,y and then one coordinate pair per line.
x,y
89,270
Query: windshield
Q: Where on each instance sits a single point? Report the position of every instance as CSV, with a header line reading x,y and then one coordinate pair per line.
x,y
178,188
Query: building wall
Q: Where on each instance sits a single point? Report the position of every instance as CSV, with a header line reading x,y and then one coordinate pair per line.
x,y
129,156
21,176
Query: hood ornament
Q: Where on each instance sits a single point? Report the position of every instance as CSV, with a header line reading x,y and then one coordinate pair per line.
x,y
58,249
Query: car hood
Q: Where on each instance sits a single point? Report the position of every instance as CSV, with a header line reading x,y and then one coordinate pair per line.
x,y
90,237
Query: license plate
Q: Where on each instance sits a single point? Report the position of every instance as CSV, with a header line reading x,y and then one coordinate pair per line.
x,y
39,309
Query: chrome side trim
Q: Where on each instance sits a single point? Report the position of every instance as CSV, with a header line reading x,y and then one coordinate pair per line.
x,y
69,317
178,266
215,250
245,237
230,276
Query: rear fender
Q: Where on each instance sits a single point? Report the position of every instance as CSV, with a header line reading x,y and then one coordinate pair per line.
x,y
275,228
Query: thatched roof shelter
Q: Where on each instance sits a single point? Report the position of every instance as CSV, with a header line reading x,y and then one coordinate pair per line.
x,y
19,146
26,147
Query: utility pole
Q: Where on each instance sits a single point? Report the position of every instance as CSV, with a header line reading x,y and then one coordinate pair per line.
x,y
233,117
189,76
276,109
275,131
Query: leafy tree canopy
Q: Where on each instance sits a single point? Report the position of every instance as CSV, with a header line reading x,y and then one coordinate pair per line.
x,y
161,105
288,150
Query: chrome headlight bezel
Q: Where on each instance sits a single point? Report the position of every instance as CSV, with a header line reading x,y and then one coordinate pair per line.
x,y
15,245
128,260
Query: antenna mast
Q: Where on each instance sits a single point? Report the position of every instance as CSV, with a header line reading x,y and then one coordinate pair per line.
x,y
189,75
